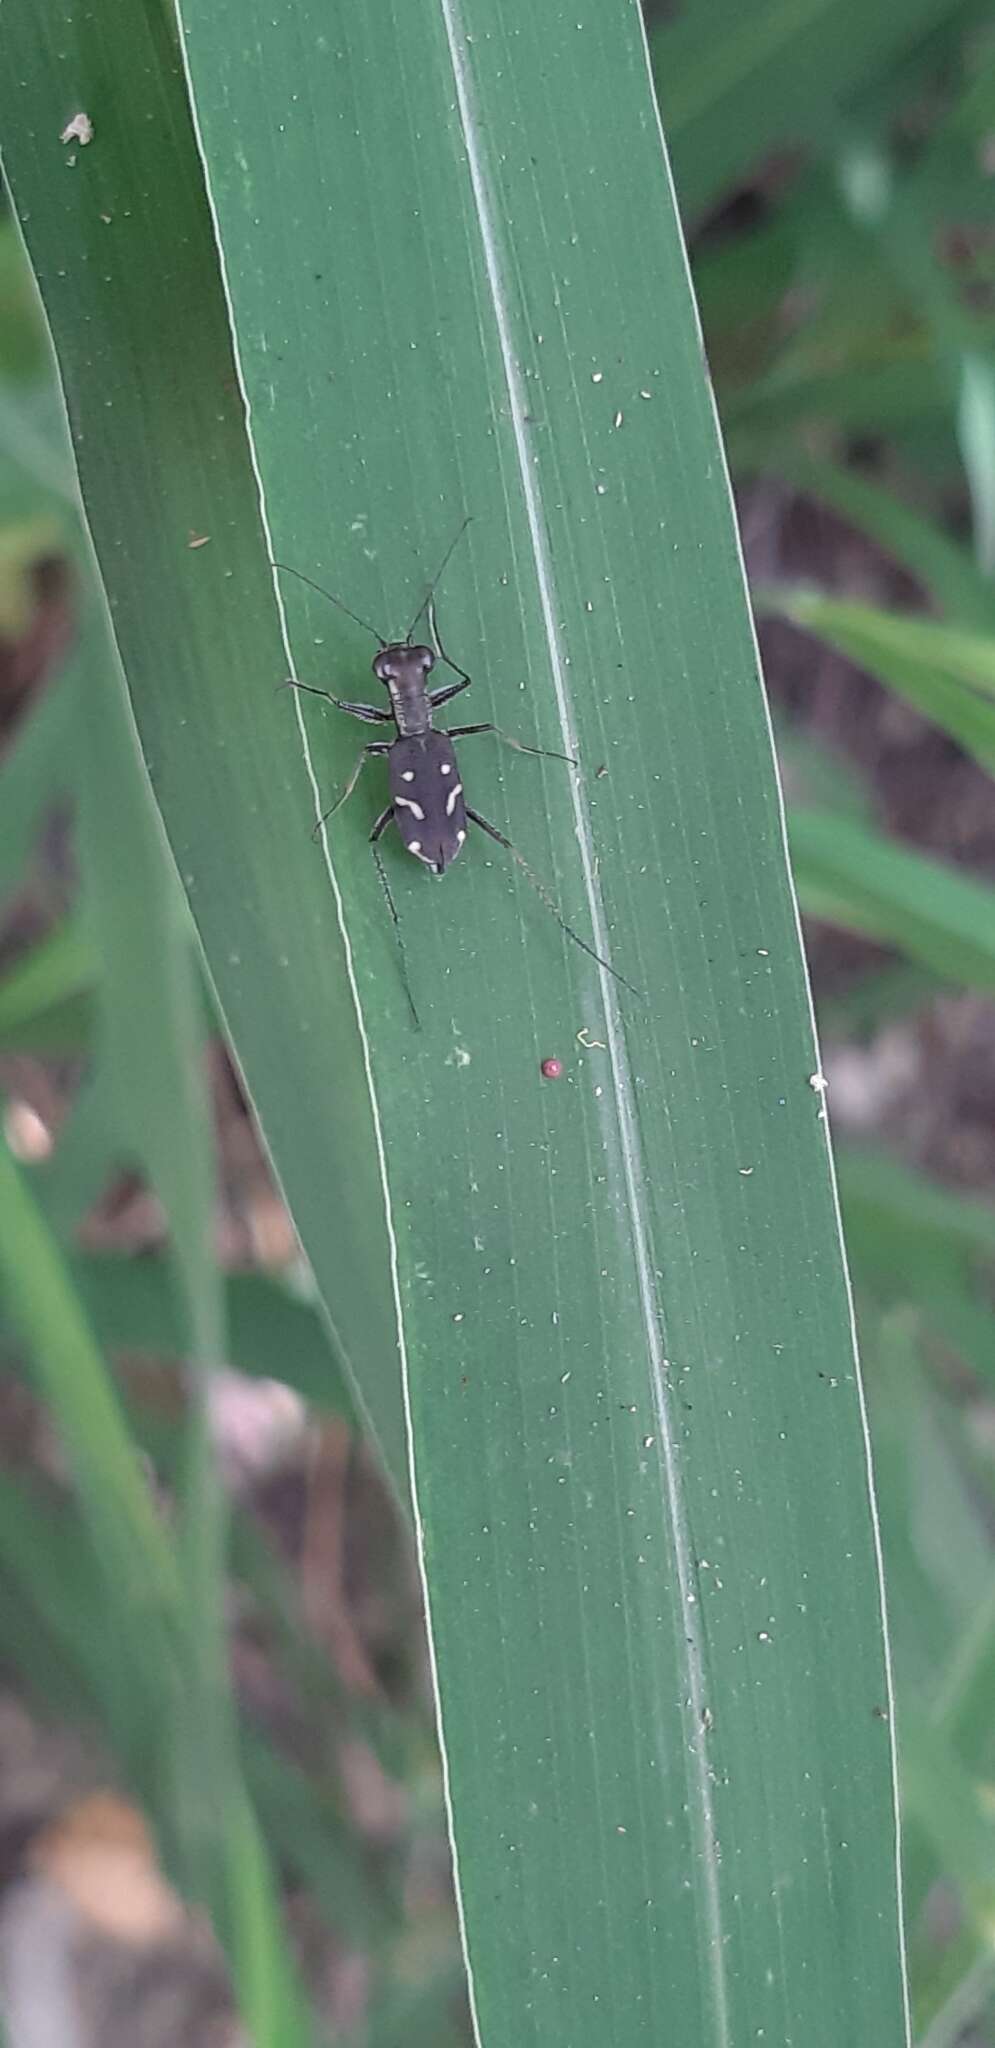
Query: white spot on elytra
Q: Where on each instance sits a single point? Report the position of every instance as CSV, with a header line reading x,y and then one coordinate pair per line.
x,y
410,805
455,792
414,845
407,775
460,836
446,768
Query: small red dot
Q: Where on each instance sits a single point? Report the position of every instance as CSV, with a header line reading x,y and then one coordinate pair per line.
x,y
551,1070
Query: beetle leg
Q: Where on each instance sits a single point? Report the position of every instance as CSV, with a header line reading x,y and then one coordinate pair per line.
x,y
386,818
437,697
465,680
370,712
543,893
375,747
463,732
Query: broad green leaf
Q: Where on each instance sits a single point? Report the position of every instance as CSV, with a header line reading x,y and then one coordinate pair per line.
x,y
640,1468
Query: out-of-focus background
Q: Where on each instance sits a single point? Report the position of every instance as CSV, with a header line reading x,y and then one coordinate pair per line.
x,y
836,170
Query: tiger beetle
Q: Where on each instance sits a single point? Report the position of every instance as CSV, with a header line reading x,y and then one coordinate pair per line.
x,y
426,794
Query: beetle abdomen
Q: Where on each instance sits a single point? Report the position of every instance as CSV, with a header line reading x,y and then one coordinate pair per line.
x,y
428,798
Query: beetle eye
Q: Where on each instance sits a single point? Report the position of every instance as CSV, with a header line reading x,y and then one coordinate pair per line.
x,y
383,668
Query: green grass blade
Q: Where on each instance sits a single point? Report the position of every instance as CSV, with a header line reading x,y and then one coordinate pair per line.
x,y
942,565
216,680
632,1542
133,1306
46,996
143,1588
737,84
128,1535
34,773
149,1042
914,1243
854,877
947,675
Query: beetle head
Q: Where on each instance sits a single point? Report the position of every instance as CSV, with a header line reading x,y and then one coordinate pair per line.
x,y
399,664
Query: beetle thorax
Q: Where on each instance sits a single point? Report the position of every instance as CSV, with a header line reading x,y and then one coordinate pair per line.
x,y
409,703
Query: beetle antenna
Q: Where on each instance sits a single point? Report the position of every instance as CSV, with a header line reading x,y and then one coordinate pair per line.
x,y
437,579
286,570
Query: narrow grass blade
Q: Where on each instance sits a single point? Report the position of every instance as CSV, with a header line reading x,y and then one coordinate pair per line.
x,y
942,565
947,675
736,85
854,877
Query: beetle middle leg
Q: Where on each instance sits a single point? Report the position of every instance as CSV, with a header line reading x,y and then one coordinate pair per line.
x,y
375,747
464,732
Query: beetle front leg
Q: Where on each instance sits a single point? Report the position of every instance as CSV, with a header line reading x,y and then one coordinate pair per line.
x,y
371,713
452,689
437,697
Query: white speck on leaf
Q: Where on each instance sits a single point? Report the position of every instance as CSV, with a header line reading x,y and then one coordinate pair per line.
x,y
79,129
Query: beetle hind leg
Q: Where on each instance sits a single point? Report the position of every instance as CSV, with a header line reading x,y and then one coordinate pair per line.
x,y
386,818
375,747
